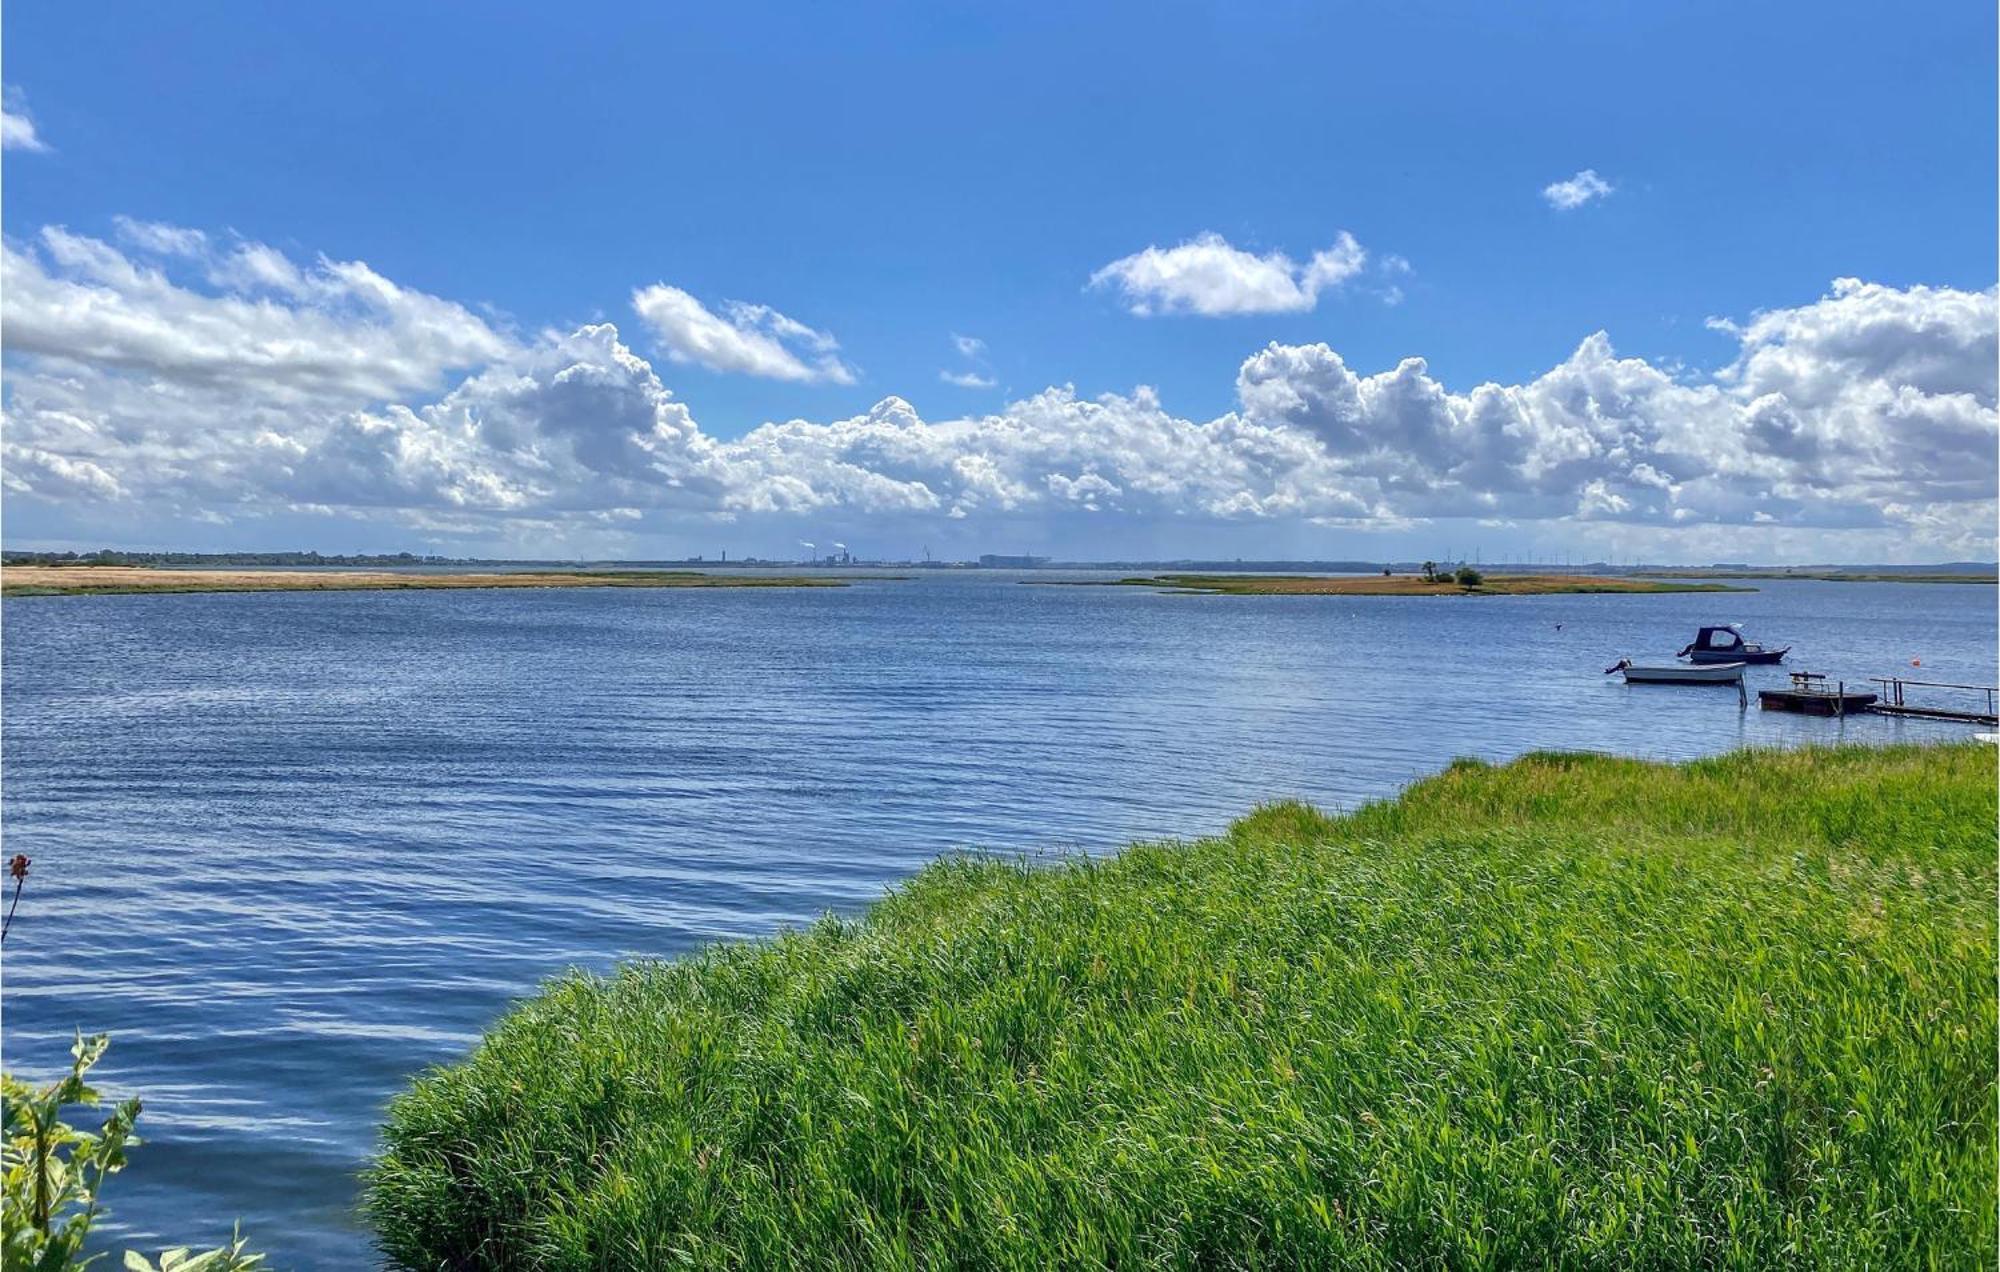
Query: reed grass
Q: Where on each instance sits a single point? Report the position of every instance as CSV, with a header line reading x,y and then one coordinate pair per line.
x,y
1575,1011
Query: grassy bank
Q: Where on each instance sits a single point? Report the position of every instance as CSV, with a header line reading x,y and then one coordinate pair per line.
x,y
1405,585
1575,1011
70,580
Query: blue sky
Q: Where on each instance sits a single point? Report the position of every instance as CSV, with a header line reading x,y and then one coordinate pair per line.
x,y
893,176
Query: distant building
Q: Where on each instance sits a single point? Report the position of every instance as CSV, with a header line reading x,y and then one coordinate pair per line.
x,y
993,561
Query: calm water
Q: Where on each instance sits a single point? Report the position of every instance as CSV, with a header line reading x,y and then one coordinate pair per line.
x,y
291,848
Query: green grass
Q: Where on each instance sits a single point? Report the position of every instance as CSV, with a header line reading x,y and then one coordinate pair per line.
x,y
1576,1011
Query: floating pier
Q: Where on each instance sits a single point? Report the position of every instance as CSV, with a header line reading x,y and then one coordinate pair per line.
x,y
1893,701
1810,695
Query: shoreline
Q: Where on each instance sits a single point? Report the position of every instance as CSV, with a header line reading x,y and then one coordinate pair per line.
x,y
1823,576
119,580
1391,585
1558,944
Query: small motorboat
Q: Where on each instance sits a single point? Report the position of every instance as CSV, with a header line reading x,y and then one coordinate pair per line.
x,y
1726,645
1809,695
1676,673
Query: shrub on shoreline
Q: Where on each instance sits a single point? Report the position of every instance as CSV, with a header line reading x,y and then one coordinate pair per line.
x,y
1575,1011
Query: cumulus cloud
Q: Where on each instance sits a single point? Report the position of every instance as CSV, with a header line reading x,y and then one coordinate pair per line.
x,y
1873,407
1574,192
570,424
192,379
745,339
17,128
1208,276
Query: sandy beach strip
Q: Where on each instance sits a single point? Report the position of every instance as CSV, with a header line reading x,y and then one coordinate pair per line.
x,y
44,580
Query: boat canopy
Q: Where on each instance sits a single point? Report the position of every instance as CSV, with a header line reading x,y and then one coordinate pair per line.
x,y
1718,638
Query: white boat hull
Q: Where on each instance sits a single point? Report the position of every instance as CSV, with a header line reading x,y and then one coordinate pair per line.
x,y
1682,674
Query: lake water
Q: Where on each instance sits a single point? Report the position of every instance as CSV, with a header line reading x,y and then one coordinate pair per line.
x,y
291,848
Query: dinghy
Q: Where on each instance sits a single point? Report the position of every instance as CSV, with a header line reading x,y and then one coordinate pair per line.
x,y
1676,673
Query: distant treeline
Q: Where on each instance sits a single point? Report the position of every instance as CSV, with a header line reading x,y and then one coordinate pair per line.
x,y
108,556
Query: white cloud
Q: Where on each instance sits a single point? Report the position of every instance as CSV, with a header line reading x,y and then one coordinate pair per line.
x,y
1871,408
342,335
567,425
1576,191
28,469
973,350
1865,416
752,340
1334,266
17,129
161,239
254,267
1209,277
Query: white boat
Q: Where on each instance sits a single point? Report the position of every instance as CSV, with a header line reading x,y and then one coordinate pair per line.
x,y
1677,673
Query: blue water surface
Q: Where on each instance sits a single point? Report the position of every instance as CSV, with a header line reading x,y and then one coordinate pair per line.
x,y
290,848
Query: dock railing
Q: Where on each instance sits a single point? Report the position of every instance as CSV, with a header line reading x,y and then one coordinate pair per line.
x,y
1895,702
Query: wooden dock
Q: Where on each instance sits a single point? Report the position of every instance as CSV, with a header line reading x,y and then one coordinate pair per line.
x,y
1811,695
1894,701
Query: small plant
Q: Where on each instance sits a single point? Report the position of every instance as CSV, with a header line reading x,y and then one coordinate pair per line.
x,y
17,868
51,1172
1468,577
55,1171
229,1258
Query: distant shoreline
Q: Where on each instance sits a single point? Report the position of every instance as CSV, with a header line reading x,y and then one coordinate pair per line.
x,y
1842,572
114,580
1824,576
1391,585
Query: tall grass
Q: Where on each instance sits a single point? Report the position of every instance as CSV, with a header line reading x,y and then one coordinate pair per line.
x,y
1576,1011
